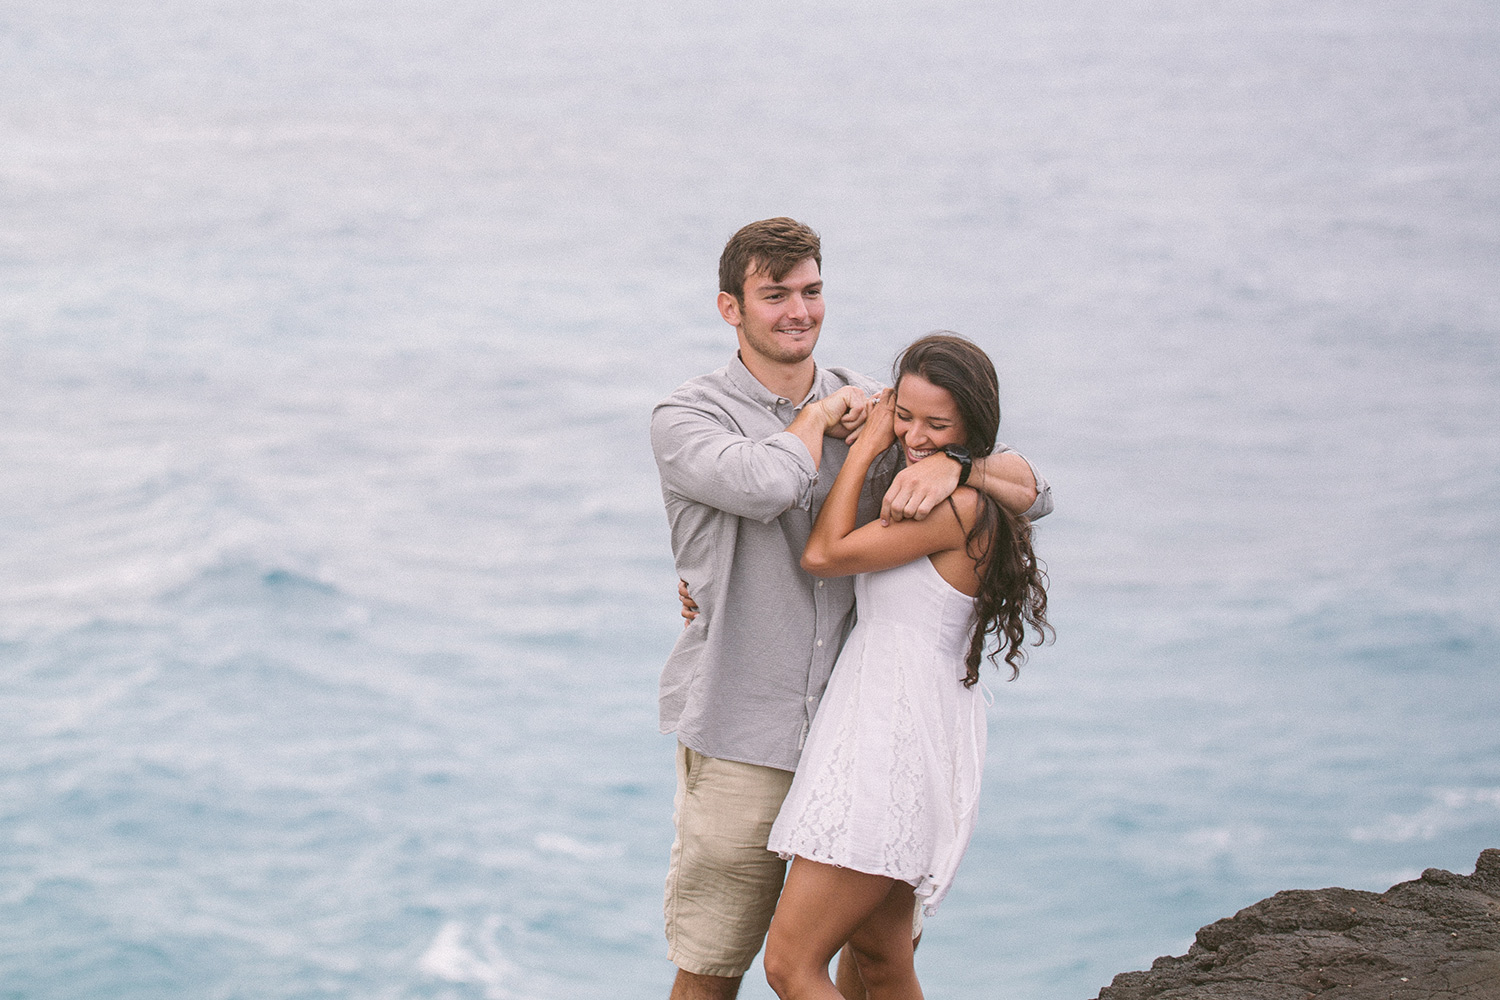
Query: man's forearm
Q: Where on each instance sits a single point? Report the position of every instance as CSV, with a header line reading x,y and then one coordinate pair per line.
x,y
809,426
1007,479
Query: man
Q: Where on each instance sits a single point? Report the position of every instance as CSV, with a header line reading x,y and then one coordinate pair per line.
x,y
744,467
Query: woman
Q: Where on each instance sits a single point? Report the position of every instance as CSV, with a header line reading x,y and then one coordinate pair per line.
x,y
884,799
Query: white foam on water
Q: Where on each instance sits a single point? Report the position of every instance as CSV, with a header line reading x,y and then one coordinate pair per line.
x,y
458,956
1450,809
561,843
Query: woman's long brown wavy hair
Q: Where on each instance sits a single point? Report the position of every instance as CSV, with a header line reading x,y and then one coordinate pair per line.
x,y
1013,584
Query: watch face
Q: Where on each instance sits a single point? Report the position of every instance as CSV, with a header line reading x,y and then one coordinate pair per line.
x,y
961,456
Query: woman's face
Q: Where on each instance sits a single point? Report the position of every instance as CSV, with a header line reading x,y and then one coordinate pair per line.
x,y
927,419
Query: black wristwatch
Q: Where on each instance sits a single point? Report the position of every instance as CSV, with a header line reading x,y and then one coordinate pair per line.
x,y
965,463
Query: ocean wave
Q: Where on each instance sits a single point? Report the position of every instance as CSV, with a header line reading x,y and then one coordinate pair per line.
x,y
561,843
457,955
1450,809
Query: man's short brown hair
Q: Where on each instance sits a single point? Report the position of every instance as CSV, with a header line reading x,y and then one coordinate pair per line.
x,y
774,246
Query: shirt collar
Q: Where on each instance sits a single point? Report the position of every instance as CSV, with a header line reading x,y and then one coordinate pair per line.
x,y
750,385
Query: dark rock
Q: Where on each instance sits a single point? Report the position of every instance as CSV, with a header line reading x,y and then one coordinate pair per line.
x,y
1435,938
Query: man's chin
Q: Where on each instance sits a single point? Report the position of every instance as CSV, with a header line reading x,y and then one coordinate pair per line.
x,y
801,348
792,354
783,350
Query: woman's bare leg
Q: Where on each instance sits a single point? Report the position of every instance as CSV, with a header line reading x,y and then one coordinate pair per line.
x,y
883,947
823,906
851,987
847,978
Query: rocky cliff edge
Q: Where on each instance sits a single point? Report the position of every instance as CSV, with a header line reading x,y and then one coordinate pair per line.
x,y
1434,938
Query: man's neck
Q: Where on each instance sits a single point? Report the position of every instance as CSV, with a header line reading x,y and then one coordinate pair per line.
x,y
793,381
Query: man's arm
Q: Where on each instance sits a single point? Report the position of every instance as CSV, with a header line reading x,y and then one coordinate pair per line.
x,y
1013,483
843,411
832,416
701,459
1006,476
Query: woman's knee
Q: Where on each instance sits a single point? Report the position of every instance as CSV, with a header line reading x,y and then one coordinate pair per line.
x,y
794,963
784,968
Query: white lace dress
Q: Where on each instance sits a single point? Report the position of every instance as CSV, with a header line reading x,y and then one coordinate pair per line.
x,y
889,777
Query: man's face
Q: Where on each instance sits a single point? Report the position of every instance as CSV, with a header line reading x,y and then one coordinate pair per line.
x,y
780,320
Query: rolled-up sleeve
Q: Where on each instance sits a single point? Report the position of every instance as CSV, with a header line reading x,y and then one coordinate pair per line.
x,y
702,460
1042,505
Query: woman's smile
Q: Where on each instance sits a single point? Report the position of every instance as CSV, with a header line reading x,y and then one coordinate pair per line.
x,y
927,419
913,456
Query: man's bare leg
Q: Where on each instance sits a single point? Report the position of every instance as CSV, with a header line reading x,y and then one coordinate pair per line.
x,y
692,986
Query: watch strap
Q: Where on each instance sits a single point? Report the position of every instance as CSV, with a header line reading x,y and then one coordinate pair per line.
x,y
965,463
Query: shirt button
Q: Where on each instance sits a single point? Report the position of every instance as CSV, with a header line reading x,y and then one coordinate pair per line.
x,y
820,642
820,584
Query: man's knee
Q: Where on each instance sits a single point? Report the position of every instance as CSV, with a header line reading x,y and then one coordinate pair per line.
x,y
723,882
719,904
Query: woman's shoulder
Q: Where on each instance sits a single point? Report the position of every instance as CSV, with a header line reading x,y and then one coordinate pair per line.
x,y
973,508
967,502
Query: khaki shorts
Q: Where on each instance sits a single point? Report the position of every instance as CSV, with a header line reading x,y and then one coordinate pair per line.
x,y
722,883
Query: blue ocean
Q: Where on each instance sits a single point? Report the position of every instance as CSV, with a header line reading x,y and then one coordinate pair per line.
x,y
336,580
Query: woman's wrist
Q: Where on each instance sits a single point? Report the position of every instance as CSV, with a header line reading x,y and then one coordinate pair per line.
x,y
866,448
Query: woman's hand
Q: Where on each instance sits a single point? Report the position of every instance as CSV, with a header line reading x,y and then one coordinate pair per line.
x,y
879,430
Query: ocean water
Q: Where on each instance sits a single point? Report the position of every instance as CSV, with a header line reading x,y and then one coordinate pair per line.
x,y
336,581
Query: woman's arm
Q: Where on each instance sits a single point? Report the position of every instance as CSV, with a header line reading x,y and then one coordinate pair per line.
x,y
837,548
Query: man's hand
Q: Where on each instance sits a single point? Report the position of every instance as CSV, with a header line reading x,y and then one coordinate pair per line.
x,y
818,419
845,410
689,606
848,427
919,488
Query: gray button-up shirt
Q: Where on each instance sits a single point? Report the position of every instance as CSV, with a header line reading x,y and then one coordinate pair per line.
x,y
744,679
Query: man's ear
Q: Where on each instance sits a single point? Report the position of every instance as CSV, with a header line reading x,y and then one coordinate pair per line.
x,y
729,308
